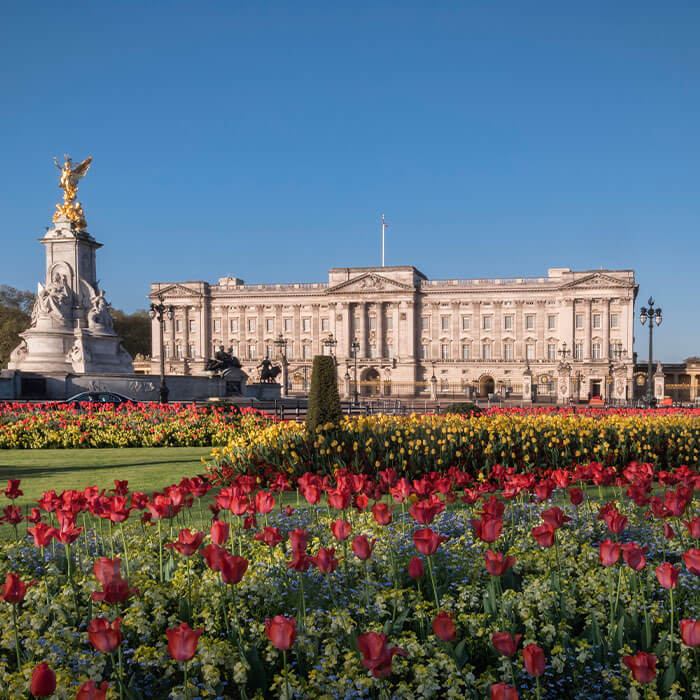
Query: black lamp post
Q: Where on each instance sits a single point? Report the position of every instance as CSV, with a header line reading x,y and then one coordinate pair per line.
x,y
564,352
355,347
281,344
160,311
654,316
330,342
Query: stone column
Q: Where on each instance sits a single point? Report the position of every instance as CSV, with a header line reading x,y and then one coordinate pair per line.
x,y
362,335
455,350
519,332
279,321
260,332
411,331
497,353
242,333
346,310
566,325
588,331
225,328
332,325
476,330
186,332
605,350
379,306
204,335
540,323
395,335
316,348
296,324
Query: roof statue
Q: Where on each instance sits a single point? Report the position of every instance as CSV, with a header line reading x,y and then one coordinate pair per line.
x,y
68,182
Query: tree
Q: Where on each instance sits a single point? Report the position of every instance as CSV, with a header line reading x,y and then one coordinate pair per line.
x,y
15,317
135,331
324,401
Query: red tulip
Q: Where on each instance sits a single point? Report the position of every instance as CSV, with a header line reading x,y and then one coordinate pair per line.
x,y
424,512
340,529
115,591
219,531
182,642
212,554
300,561
415,568
107,569
12,491
690,632
271,536
502,691
533,658
692,525
555,518
692,561
609,552
105,636
633,555
669,534
544,534
488,529
667,574
575,496
496,563
187,542
14,589
68,535
443,626
616,522
89,691
325,561
376,655
13,515
232,568
264,502
427,541
43,681
35,516
281,631
643,666
382,513
298,539
543,490
362,547
42,534
505,643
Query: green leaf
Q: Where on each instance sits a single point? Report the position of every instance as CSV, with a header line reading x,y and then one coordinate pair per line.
x,y
669,677
258,674
169,569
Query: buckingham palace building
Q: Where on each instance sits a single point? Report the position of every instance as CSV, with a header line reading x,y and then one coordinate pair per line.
x,y
394,332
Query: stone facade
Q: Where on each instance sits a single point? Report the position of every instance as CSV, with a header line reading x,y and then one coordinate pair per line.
x,y
566,335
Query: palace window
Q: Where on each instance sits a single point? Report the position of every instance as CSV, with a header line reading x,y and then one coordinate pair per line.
x,y
217,325
507,351
596,320
486,351
530,351
466,352
444,351
466,323
269,324
508,323
167,352
389,323
424,352
578,351
288,323
306,352
551,322
579,322
251,325
192,325
486,323
425,323
306,324
551,351
234,349
614,321
529,322
324,324
251,351
178,325
596,351
192,351
234,325
373,323
390,351
268,352
445,323
373,351
178,352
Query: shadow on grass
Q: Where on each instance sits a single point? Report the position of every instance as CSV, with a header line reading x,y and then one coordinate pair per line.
x,y
29,472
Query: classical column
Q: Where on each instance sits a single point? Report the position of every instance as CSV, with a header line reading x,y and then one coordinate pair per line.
x,y
588,331
395,336
186,332
540,322
296,324
204,335
242,333
316,348
346,310
455,351
332,325
435,331
565,331
519,352
362,335
279,321
476,330
379,306
410,331
497,330
260,332
225,328
605,354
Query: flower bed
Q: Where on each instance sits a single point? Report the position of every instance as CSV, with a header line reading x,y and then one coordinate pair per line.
x,y
509,586
417,445
130,425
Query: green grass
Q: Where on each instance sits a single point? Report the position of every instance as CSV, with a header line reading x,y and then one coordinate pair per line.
x,y
147,469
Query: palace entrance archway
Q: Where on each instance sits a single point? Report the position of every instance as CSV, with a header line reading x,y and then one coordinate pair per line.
x,y
369,382
486,386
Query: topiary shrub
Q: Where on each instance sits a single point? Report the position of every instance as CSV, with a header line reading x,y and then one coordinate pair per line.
x,y
324,400
464,408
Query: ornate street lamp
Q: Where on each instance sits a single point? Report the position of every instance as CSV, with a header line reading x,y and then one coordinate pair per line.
x,y
160,311
563,352
330,342
654,316
281,344
355,347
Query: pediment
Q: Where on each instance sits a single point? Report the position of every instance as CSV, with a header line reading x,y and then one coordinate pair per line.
x,y
175,291
596,280
370,282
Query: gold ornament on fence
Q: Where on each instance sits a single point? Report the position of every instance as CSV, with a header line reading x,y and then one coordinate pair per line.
x,y
68,182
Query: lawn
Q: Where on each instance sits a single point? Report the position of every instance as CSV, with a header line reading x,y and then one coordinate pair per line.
x,y
146,468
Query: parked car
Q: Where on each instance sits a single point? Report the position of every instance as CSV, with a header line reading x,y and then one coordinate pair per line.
x,y
98,397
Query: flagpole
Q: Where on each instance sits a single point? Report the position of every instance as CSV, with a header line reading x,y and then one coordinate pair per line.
x,y
383,227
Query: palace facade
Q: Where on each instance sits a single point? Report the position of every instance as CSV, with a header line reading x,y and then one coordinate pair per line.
x,y
567,335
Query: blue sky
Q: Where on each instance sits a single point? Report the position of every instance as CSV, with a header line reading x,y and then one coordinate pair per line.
x,y
263,140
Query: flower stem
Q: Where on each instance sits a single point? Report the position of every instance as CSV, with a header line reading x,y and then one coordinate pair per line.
x,y
286,673
432,580
126,551
14,622
160,552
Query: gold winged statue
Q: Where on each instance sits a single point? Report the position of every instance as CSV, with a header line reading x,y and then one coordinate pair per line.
x,y
68,182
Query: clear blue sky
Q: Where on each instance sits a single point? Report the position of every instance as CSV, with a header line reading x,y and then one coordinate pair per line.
x,y
263,140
